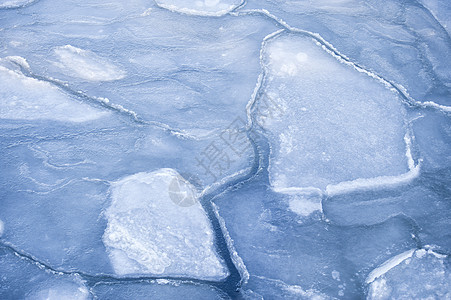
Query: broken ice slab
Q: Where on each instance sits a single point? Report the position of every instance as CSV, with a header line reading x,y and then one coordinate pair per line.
x,y
157,289
330,125
400,41
157,226
280,251
21,278
200,7
414,274
56,183
426,202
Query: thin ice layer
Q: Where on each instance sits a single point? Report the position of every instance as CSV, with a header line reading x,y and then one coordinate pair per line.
x,y
200,7
85,64
327,122
25,98
156,226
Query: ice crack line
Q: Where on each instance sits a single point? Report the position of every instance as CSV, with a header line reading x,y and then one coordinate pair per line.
x,y
104,103
407,99
92,280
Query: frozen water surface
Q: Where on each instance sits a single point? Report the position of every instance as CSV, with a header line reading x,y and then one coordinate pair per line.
x,y
225,149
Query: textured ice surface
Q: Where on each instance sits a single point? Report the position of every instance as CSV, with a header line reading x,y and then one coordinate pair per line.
x,y
328,122
400,41
22,279
150,232
14,3
440,9
415,274
156,289
200,7
276,243
63,291
84,64
25,98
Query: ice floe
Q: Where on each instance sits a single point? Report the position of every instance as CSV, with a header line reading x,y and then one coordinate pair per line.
x,y
156,226
330,126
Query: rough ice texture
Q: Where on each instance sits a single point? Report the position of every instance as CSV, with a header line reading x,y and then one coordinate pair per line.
x,y
327,122
14,3
25,98
155,289
63,291
85,64
148,233
200,7
416,274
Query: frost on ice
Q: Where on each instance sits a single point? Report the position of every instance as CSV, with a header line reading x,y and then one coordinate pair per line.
x,y
148,231
330,123
85,64
26,98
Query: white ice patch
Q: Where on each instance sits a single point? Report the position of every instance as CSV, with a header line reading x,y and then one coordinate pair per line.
x,y
155,227
2,228
14,3
25,98
304,205
65,291
85,64
200,7
328,124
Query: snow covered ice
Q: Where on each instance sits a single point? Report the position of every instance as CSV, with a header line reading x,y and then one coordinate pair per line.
x,y
148,232
225,149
